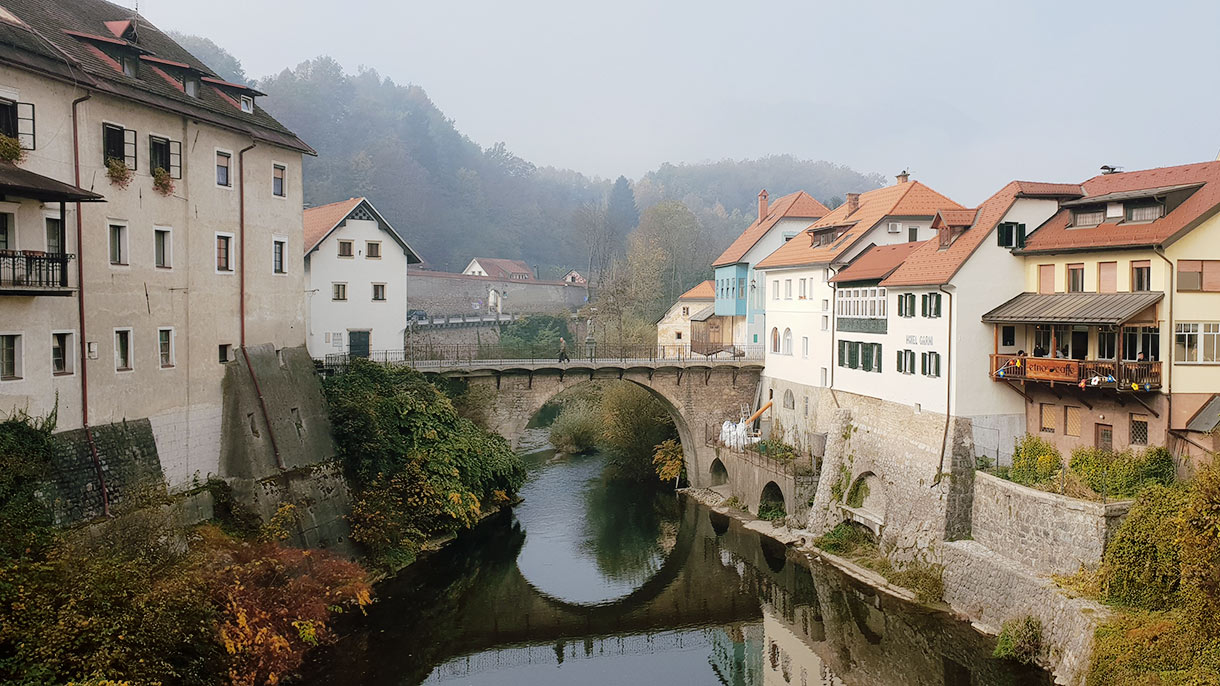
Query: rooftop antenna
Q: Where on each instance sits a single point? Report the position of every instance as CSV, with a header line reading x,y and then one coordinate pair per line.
x,y
1110,169
135,24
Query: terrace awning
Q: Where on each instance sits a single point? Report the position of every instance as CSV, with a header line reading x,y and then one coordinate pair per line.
x,y
23,183
1096,309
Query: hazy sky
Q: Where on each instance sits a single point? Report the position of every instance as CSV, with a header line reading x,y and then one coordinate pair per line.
x,y
968,95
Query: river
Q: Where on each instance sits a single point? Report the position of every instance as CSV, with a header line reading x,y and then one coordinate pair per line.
x,y
592,581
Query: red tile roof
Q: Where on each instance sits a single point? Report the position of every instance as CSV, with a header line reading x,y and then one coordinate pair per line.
x,y
954,218
1057,234
876,263
319,221
1042,189
795,205
704,291
911,199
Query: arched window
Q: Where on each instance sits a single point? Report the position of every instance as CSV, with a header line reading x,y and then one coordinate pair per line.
x,y
774,339
787,349
789,401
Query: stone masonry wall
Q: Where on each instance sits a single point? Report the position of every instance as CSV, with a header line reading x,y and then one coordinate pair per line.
x,y
482,334
1050,533
989,589
128,455
442,293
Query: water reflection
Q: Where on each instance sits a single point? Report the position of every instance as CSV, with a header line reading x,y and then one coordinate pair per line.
x,y
698,600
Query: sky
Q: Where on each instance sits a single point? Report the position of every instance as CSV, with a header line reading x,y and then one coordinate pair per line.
x,y
966,95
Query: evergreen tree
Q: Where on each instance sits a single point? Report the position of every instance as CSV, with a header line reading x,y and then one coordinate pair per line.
x,y
621,211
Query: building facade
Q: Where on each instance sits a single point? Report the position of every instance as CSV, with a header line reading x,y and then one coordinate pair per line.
x,y
194,254
674,328
355,280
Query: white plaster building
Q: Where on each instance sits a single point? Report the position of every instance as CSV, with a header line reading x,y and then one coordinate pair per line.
x,y
498,268
355,280
674,328
156,289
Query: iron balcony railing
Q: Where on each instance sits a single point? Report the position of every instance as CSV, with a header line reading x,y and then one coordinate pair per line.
x,y
1124,375
805,464
31,271
433,356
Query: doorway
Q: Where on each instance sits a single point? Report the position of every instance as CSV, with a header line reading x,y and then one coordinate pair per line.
x,y
1104,437
1080,344
358,344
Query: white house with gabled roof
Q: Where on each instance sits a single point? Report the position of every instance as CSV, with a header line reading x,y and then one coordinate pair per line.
x,y
355,279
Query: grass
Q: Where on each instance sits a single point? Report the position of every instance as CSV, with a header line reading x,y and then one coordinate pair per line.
x,y
856,543
1020,640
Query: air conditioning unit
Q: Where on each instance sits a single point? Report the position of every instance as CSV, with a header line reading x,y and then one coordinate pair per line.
x,y
895,227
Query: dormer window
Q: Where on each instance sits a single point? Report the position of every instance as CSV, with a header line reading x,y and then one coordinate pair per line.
x,y
130,63
1144,212
1089,217
191,86
247,104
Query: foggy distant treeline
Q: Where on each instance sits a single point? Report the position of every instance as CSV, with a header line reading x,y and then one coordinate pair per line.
x,y
453,199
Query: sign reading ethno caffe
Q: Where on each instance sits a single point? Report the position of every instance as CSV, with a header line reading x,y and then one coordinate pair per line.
x,y
1049,369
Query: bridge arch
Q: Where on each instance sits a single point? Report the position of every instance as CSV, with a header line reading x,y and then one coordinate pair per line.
x,y
718,474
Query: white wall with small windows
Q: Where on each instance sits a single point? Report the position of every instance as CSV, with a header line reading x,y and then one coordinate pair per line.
x,y
364,260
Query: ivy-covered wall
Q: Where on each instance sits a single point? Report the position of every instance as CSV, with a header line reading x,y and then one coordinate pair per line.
x,y
128,456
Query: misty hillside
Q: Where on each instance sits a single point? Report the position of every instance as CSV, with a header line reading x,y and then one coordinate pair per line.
x,y
454,199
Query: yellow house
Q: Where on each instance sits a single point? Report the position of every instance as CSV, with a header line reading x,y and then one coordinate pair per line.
x,y
1116,340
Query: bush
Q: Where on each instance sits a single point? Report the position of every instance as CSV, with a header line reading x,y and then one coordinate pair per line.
x,y
11,150
1200,539
633,423
1141,566
1034,461
1020,640
845,539
1124,474
772,511
25,459
1152,648
538,334
577,428
669,461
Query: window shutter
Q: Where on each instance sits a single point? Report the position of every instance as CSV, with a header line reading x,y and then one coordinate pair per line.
x,y
923,304
175,159
842,353
910,304
902,306
866,356
129,148
853,355
1003,235
876,357
898,362
1020,235
25,125
936,360
923,363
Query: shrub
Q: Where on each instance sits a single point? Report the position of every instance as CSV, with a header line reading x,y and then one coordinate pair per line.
x,y
1141,566
11,150
577,428
845,539
669,461
1124,474
1152,648
771,511
1200,539
633,423
1020,640
538,334
1034,461
858,493
25,459
926,580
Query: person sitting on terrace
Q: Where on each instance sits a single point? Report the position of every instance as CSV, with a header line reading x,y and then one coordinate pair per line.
x,y
1060,353
1141,357
1020,353
1039,352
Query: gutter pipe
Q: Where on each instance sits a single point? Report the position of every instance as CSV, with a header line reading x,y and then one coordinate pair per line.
x,y
944,441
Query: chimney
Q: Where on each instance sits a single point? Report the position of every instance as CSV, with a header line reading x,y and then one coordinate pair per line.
x,y
903,177
763,208
853,203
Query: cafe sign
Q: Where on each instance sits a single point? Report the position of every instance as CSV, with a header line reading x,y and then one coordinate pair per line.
x,y
1050,369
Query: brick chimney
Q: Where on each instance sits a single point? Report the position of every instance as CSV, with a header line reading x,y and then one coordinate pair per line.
x,y
903,177
853,203
763,207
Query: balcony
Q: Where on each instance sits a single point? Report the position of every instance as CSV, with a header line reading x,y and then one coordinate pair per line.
x,y
33,272
1121,375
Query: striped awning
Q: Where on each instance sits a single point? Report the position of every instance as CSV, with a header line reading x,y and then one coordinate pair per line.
x,y
1098,309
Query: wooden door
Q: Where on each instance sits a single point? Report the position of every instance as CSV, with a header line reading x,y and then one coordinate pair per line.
x,y
358,343
1104,436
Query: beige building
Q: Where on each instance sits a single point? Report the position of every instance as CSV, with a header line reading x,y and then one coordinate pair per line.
x,y
673,329
132,307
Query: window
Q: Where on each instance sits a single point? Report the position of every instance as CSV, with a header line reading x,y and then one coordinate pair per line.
x,y
119,144
223,162
1107,277
224,252
1046,412
787,342
1139,429
801,292
163,248
61,353
338,291
1199,275
17,121
278,247
823,375
787,289
912,234
930,305
122,350
1046,278
805,346
1008,336
1071,421
906,305
130,65
1143,213
247,104
789,401
55,236
118,244
826,322
866,356
1141,275
774,340
685,311
8,236
165,347
1107,342
853,354
345,249
1142,339
678,335
165,154
1010,235
1196,342
1089,217
191,86
861,302
372,250
379,291
930,364
277,180
1075,278
775,290
10,357
224,352
906,362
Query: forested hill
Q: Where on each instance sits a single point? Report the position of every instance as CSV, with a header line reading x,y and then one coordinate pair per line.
x,y
454,199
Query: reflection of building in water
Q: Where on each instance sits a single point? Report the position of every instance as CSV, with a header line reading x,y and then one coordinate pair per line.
x,y
737,654
790,658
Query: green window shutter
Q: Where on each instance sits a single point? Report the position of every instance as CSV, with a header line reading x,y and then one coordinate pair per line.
x,y
923,304
1020,235
923,363
876,357
866,356
1004,235
910,304
842,353
898,363
853,355
937,360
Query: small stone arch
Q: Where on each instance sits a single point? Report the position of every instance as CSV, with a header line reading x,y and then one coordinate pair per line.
x,y
789,400
865,503
772,496
718,474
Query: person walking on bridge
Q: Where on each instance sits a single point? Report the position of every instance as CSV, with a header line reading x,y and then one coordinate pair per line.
x,y
563,351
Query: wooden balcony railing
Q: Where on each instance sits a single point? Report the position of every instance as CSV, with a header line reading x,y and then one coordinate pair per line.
x,y
1119,374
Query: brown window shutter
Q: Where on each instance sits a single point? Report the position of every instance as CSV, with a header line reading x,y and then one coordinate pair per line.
x,y
1046,278
1211,275
1107,277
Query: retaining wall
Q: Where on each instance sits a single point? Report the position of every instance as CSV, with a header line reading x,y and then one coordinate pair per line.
x,y
128,455
1050,533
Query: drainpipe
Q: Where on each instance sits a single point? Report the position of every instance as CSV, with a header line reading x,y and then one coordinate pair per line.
x,y
1160,252
834,327
944,441
80,306
241,222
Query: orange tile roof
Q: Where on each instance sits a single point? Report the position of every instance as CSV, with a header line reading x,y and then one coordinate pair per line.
x,y
1040,188
911,199
1057,234
320,220
795,205
954,218
503,268
704,291
876,263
